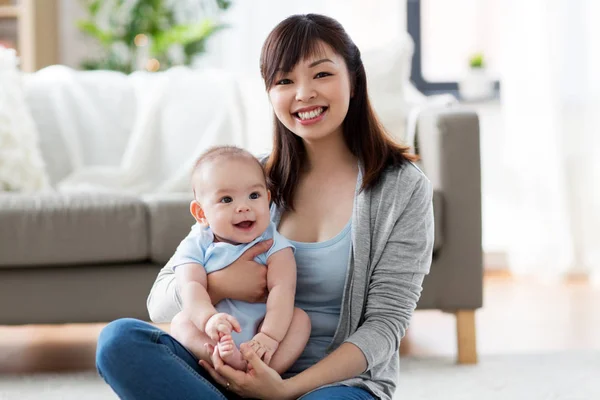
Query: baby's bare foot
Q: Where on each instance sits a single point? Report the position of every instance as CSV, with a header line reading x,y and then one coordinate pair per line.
x,y
230,354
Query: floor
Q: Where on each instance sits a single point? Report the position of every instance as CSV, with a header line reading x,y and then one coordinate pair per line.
x,y
519,316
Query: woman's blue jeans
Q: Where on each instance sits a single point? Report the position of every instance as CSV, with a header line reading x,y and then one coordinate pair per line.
x,y
140,361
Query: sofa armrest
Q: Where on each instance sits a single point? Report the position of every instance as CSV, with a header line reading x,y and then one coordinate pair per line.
x,y
170,221
448,143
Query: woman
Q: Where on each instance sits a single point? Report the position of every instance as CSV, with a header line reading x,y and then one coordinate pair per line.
x,y
359,213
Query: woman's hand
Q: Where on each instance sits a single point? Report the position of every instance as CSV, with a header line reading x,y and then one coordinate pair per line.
x,y
260,381
244,280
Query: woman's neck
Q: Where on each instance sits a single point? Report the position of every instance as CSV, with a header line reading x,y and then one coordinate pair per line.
x,y
328,154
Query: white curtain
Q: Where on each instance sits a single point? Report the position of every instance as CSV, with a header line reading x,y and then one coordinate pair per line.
x,y
551,105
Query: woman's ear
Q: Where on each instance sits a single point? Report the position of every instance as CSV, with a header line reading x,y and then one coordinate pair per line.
x,y
269,195
198,212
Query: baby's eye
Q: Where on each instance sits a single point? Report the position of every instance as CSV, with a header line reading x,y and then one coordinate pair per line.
x,y
226,199
283,82
322,74
254,195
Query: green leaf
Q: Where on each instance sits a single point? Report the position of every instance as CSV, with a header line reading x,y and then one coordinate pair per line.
x,y
93,6
476,60
106,63
223,4
183,35
88,27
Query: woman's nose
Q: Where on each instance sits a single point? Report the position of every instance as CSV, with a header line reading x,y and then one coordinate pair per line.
x,y
305,93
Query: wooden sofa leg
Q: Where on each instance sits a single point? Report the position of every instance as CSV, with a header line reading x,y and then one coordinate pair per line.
x,y
466,337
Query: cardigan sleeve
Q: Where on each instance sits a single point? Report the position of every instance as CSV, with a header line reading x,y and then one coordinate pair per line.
x,y
164,301
396,281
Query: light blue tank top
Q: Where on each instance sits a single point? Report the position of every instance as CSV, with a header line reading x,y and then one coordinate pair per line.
x,y
321,269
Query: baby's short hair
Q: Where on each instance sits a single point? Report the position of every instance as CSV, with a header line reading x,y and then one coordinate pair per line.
x,y
227,152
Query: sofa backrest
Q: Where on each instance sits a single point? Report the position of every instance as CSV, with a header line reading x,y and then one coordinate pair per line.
x,y
85,118
69,105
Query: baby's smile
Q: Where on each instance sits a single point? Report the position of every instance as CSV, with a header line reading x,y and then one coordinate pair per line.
x,y
245,225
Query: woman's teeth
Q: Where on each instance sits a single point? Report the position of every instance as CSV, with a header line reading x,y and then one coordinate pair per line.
x,y
311,114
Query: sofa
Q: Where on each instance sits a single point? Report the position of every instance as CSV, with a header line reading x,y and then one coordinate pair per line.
x,y
85,256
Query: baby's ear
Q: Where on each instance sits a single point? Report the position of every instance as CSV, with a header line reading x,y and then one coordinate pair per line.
x,y
198,212
269,195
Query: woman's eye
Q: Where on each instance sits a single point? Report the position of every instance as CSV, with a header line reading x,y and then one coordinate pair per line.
x,y
254,196
283,82
226,199
322,74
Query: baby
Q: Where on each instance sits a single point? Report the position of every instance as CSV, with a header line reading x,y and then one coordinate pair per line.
x,y
231,205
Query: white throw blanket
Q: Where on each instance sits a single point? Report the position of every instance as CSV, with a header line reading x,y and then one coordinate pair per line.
x,y
139,133
21,164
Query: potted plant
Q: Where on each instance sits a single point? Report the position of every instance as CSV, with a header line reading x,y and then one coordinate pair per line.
x,y
477,84
147,34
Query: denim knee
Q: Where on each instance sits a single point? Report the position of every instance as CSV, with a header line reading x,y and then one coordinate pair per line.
x,y
117,339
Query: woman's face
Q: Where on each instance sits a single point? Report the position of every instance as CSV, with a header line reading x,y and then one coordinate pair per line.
x,y
312,100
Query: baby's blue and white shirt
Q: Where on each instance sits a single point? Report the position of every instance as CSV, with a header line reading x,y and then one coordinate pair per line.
x,y
200,248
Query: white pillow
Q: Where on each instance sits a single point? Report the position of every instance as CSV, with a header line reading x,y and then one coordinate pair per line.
x,y
84,117
21,165
388,72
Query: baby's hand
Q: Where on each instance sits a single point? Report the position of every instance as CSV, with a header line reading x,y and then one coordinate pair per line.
x,y
221,324
264,346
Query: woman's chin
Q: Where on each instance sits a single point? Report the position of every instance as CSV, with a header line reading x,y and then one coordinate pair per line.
x,y
314,136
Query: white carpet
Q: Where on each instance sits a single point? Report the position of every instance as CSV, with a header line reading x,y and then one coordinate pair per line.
x,y
567,375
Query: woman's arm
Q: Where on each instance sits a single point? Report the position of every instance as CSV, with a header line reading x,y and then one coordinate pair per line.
x,y
244,280
345,362
396,281
164,300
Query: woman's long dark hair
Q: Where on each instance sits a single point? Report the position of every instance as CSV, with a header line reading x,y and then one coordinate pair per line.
x,y
299,37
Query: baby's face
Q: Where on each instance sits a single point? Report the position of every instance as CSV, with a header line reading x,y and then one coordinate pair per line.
x,y
235,200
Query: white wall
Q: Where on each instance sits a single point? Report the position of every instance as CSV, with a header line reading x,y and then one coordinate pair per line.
x,y
251,21
369,24
73,45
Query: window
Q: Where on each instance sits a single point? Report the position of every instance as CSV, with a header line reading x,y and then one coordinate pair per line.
x,y
446,33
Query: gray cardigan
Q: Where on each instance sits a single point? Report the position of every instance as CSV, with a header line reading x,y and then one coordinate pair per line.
x,y
392,244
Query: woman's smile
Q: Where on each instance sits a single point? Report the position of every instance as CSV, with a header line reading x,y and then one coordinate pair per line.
x,y
310,115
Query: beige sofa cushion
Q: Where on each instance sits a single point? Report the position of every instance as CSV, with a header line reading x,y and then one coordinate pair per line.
x,y
59,229
170,221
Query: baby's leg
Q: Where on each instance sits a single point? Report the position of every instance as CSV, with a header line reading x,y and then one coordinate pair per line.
x,y
230,354
293,343
186,333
